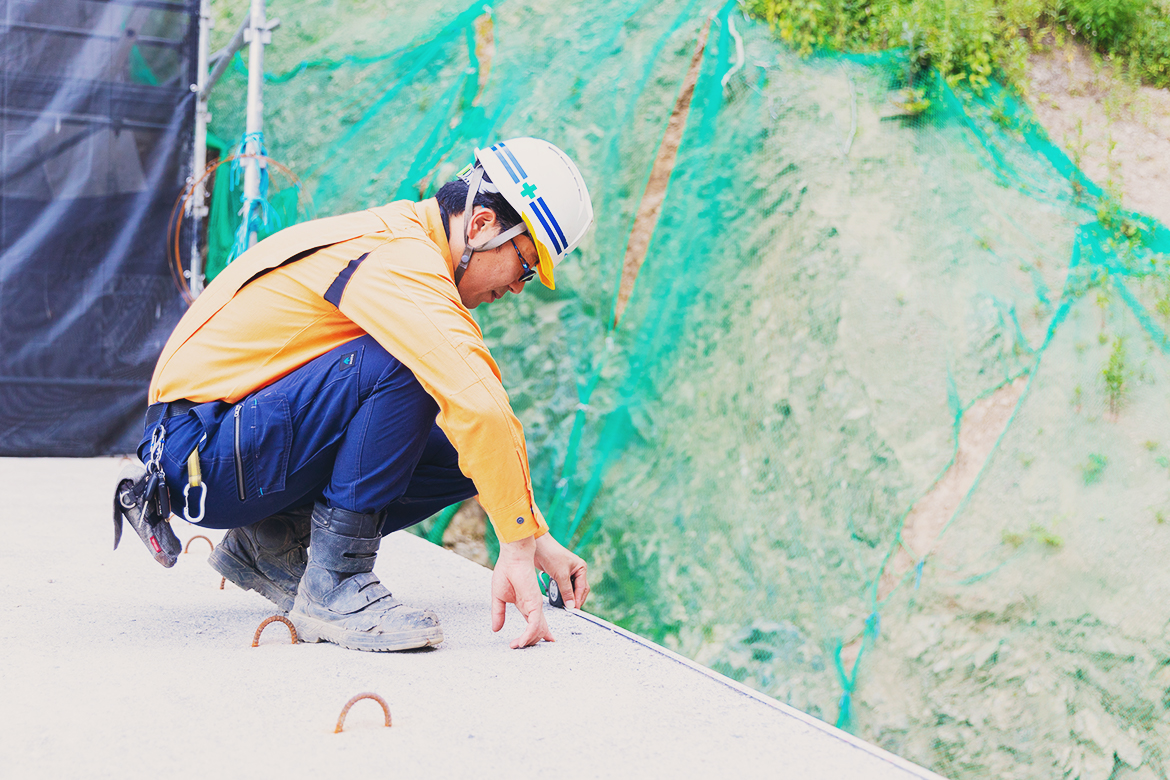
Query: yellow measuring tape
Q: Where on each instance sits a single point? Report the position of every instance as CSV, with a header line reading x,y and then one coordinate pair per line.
x,y
194,476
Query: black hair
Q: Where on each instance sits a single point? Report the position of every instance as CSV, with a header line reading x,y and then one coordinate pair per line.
x,y
452,198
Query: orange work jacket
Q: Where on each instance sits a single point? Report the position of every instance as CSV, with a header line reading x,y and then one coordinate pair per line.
x,y
259,320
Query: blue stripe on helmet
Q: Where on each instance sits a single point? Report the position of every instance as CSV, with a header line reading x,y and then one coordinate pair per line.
x,y
515,162
507,167
547,229
553,220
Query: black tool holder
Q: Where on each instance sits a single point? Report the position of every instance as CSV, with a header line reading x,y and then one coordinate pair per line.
x,y
142,499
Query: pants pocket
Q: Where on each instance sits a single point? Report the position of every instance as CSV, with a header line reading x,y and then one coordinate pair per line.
x,y
267,433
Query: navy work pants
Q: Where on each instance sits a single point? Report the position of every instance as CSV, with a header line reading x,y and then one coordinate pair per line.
x,y
353,429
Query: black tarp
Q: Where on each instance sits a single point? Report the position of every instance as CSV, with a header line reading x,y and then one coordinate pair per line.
x,y
97,114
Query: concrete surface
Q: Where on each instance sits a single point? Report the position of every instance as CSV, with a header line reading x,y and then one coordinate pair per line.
x,y
116,667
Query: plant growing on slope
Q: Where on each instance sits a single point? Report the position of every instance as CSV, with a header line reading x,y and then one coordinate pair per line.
x,y
977,40
1094,468
1107,23
1114,375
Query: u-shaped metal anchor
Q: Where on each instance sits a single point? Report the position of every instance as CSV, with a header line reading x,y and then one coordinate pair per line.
x,y
354,700
187,549
292,630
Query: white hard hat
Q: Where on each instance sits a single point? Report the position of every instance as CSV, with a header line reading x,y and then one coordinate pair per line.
x,y
544,187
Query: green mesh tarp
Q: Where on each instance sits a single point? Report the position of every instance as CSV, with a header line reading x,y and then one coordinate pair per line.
x,y
883,432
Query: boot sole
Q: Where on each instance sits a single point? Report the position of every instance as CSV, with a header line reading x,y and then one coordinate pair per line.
x,y
311,629
249,578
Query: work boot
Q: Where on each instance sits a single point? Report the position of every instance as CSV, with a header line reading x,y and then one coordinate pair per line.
x,y
268,557
340,599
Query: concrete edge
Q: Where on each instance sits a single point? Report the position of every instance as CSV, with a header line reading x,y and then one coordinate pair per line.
x,y
820,725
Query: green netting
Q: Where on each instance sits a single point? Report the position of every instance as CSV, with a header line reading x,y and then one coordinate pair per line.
x,y
883,431
283,207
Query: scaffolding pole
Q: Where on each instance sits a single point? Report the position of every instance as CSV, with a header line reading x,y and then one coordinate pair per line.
x,y
257,36
198,208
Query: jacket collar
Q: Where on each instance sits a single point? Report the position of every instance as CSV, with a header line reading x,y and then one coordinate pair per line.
x,y
432,221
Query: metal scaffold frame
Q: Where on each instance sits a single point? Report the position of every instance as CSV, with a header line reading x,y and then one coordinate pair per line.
x,y
256,33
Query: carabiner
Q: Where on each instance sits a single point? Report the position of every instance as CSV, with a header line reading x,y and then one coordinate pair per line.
x,y
187,502
158,439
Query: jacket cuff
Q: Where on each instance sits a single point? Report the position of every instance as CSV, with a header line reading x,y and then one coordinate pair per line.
x,y
517,522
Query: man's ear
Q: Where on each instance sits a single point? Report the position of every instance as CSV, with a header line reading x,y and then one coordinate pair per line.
x,y
481,218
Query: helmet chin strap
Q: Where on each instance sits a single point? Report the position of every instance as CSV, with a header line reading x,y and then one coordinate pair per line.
x,y
475,183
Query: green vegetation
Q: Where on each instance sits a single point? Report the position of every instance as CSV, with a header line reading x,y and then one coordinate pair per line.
x,y
1014,538
1114,374
1046,537
1036,533
1103,305
975,41
1094,468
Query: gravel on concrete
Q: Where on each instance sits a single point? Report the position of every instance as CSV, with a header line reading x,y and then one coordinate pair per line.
x,y
116,667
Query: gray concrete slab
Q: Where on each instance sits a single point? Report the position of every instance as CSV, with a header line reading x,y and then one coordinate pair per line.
x,y
116,667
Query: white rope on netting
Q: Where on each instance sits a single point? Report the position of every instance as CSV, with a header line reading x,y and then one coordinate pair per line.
x,y
738,66
852,114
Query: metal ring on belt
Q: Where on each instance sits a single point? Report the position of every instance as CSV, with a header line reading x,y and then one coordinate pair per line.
x,y
155,412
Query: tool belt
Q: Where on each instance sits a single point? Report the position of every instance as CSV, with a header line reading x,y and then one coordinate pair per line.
x,y
142,497
167,410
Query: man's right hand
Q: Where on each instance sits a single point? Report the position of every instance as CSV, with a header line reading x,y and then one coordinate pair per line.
x,y
514,582
567,568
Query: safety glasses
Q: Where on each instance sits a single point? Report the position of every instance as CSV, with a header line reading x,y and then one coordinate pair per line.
x,y
529,270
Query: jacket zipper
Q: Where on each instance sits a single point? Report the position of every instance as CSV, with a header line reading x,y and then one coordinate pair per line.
x,y
239,459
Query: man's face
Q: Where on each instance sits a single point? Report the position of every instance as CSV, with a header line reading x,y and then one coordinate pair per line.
x,y
494,272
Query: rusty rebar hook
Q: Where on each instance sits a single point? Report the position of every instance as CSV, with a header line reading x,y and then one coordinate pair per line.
x,y
187,549
222,581
354,700
292,630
